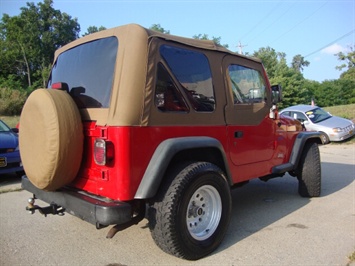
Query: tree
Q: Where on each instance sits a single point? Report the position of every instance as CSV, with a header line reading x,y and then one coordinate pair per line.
x,y
93,29
291,80
159,28
28,41
298,63
270,59
348,62
204,36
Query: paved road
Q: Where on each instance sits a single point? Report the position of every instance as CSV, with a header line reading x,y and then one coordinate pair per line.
x,y
271,225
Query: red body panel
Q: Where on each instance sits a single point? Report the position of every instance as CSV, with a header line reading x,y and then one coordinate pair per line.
x,y
134,147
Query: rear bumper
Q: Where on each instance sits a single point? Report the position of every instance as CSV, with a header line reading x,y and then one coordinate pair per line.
x,y
94,210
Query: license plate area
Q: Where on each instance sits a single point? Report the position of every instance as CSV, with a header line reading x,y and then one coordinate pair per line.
x,y
3,162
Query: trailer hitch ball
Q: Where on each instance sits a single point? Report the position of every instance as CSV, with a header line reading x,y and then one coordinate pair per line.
x,y
30,207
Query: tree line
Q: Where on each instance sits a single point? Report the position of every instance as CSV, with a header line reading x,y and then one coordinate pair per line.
x,y
28,42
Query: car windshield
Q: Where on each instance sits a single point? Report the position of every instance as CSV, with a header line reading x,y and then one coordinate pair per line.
x,y
4,127
87,71
317,115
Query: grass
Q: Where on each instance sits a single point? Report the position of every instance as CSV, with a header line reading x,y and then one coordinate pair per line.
x,y
345,111
351,259
11,121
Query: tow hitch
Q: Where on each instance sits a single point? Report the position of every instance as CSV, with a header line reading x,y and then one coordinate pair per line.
x,y
51,209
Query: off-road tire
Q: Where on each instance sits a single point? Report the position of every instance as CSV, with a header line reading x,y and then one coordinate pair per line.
x,y
50,138
190,215
309,171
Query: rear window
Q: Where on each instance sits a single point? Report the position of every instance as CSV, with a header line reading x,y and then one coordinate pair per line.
x,y
88,70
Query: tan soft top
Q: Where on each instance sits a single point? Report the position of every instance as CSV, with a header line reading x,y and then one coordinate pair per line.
x,y
132,90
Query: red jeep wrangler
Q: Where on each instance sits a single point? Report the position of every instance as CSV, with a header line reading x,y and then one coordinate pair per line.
x,y
137,124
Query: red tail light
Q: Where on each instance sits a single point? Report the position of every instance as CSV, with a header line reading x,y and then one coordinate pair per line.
x,y
103,151
60,86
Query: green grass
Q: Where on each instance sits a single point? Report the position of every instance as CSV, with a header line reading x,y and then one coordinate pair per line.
x,y
11,121
351,259
345,111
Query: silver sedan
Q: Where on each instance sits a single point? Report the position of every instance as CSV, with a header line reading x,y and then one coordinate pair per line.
x,y
314,118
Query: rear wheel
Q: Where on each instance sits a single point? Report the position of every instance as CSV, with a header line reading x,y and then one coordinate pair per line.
x,y
309,172
191,212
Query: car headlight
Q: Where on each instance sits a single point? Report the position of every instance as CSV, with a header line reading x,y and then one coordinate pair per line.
x,y
337,129
17,148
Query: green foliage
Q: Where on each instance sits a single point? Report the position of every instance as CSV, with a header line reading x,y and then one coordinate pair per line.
x,y
28,41
347,59
298,63
93,29
11,101
159,28
217,40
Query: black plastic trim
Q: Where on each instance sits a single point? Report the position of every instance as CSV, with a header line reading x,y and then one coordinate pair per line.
x,y
296,152
164,154
91,209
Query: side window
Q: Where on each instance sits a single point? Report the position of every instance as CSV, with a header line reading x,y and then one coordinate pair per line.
x,y
167,97
193,72
247,84
299,116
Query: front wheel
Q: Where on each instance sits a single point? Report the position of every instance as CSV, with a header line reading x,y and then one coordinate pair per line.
x,y
190,215
324,138
309,171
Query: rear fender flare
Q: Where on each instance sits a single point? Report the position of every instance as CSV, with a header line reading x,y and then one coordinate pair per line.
x,y
165,153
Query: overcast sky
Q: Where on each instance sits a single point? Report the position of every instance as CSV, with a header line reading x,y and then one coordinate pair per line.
x,y
316,29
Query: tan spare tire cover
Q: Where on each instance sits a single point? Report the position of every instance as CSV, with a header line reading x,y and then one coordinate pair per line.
x,y
51,139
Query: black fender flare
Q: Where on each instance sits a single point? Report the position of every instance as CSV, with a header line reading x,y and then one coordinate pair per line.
x,y
296,152
163,155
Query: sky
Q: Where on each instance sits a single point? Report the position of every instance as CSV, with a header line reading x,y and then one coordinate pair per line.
x,y
316,29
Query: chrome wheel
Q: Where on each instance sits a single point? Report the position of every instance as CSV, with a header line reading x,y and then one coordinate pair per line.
x,y
204,212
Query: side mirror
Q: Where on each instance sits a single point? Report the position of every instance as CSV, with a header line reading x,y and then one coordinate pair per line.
x,y
15,130
276,93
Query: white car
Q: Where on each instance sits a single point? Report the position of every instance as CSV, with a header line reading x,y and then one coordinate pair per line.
x,y
314,118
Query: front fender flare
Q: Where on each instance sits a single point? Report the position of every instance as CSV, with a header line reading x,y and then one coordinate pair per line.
x,y
296,152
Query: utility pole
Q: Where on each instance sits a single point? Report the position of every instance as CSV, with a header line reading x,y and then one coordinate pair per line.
x,y
240,47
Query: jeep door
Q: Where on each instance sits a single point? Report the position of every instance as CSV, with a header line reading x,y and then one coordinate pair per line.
x,y
251,133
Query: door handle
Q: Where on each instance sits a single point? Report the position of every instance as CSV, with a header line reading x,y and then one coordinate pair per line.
x,y
238,134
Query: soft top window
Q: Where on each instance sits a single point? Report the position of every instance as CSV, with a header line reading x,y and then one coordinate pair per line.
x,y
192,70
88,70
248,85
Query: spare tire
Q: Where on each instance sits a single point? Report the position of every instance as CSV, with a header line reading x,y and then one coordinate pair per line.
x,y
51,139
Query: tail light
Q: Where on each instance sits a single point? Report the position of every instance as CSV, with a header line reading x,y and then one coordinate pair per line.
x,y
60,86
103,151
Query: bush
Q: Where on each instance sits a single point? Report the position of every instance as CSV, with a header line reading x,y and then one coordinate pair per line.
x,y
11,101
